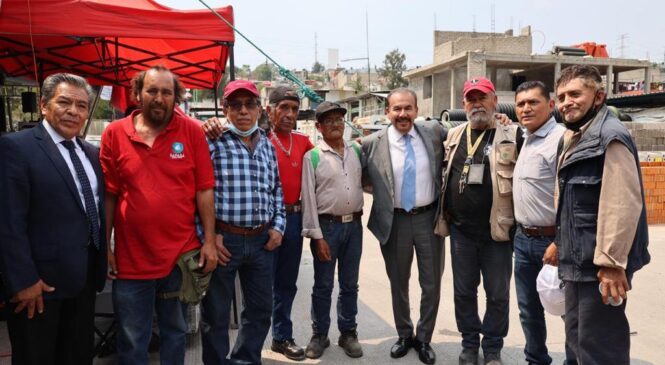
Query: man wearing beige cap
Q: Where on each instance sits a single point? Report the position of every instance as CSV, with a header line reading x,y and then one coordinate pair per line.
x,y
250,223
332,206
477,211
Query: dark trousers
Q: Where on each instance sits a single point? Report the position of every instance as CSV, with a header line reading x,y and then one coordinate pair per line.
x,y
529,253
287,264
254,265
346,244
411,233
597,333
62,334
472,258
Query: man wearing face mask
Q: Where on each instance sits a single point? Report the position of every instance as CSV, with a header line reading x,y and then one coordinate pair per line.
x,y
158,175
290,147
250,224
477,211
602,233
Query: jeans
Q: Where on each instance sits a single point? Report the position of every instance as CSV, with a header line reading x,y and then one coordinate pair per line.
x,y
254,265
287,264
134,303
345,241
470,259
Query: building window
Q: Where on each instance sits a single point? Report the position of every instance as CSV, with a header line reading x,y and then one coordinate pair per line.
x,y
427,87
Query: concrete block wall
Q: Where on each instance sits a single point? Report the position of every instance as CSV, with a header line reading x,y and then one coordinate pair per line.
x,y
653,179
647,136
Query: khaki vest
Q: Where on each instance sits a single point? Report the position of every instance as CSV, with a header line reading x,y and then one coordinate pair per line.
x,y
502,163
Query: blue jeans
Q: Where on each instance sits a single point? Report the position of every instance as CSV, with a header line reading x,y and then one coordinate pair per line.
x,y
287,264
345,241
254,265
134,303
471,258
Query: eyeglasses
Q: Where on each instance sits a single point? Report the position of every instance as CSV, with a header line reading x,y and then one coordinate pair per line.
x,y
333,120
236,105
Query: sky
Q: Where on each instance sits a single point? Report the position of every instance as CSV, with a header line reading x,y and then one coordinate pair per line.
x,y
286,29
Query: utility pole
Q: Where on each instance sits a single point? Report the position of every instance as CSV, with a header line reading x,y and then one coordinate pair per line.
x,y
316,49
623,46
369,70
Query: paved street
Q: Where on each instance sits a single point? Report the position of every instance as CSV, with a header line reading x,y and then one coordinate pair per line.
x,y
646,312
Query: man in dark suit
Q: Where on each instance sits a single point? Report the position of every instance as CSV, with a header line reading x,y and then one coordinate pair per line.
x,y
52,245
403,214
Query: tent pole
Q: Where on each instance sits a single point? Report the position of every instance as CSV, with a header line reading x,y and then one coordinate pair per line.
x,y
92,112
232,64
214,93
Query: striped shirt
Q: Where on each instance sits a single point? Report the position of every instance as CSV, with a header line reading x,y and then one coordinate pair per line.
x,y
248,192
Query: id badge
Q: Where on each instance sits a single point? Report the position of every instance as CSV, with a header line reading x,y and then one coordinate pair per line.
x,y
476,172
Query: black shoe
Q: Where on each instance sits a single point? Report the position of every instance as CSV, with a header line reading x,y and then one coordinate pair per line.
x,y
401,347
348,340
493,358
316,346
425,352
468,357
289,349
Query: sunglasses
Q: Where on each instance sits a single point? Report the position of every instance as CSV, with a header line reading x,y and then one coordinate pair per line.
x,y
236,105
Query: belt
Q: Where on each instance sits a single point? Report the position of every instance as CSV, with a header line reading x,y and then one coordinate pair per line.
x,y
533,231
418,210
341,218
293,208
243,231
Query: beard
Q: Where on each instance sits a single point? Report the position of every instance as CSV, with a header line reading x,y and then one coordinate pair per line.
x,y
479,117
157,114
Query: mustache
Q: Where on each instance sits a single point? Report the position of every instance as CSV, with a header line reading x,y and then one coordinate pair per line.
x,y
480,109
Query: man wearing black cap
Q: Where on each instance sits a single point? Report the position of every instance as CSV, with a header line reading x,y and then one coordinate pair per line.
x,y
332,206
250,222
290,147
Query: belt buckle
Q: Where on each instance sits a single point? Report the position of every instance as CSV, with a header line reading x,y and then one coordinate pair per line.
x,y
347,218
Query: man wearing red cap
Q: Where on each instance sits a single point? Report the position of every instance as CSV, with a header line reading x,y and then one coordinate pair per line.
x,y
290,147
478,215
250,224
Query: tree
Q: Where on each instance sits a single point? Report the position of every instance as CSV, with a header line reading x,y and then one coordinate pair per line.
x,y
263,72
357,84
317,68
393,67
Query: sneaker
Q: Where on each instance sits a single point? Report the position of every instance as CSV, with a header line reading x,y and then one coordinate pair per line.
x,y
493,358
468,357
317,344
348,340
289,349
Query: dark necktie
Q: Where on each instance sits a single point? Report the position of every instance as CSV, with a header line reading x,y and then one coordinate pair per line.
x,y
88,197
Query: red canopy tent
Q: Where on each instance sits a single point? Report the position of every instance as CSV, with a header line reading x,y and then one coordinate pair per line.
x,y
108,41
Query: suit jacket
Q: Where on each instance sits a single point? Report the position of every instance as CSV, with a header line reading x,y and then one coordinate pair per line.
x,y
378,173
44,231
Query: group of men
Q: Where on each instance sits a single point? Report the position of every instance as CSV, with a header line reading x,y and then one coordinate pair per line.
x,y
569,196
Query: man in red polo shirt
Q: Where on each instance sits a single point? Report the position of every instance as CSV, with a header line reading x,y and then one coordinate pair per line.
x,y
290,147
158,176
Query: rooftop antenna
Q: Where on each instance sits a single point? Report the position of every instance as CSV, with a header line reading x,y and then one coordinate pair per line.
x,y
623,45
474,25
492,21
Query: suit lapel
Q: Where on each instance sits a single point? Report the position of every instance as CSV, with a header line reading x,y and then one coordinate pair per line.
x,y
383,150
51,150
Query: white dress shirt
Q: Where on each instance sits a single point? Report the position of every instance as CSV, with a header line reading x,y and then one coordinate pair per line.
x,y
424,178
89,171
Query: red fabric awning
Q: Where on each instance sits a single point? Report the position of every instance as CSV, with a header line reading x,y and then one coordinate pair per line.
x,y
108,41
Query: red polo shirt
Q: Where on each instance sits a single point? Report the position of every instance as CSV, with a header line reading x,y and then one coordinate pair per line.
x,y
156,189
290,166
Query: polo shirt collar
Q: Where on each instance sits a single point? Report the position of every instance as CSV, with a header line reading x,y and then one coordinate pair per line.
x,y
544,129
130,129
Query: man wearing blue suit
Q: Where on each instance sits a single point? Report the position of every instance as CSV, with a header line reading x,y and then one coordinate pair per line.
x,y
403,215
52,245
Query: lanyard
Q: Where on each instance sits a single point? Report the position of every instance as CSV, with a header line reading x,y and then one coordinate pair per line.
x,y
471,150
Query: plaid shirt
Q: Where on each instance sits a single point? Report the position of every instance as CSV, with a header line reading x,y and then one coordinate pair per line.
x,y
248,192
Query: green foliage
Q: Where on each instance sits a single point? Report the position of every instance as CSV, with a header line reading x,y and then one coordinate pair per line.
x,y
317,67
264,72
393,67
357,84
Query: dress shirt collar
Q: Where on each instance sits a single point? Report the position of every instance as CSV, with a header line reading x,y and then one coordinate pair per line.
x,y
55,136
544,129
395,136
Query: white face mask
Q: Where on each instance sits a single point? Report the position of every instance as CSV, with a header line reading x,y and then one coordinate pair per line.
x,y
240,133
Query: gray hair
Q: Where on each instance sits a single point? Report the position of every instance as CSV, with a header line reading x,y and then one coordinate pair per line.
x,y
51,84
402,90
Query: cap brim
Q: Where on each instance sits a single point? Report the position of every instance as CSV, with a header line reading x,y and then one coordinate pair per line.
x,y
483,89
339,109
253,92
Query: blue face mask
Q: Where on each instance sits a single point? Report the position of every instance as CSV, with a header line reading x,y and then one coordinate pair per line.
x,y
240,133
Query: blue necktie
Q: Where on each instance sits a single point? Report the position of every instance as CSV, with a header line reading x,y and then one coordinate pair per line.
x,y
88,197
409,175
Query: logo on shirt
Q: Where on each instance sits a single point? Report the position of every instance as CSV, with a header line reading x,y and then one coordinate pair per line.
x,y
177,149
